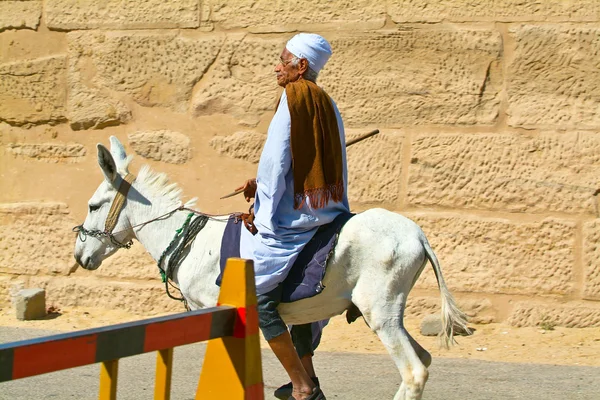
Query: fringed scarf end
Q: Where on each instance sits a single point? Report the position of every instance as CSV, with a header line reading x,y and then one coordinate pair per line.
x,y
320,197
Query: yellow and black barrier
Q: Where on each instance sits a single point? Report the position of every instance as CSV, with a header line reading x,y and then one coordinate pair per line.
x,y
232,365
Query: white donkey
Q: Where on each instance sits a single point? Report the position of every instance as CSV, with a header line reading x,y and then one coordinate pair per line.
x,y
377,260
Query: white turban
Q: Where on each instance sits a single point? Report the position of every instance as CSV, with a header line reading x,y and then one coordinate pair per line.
x,y
311,46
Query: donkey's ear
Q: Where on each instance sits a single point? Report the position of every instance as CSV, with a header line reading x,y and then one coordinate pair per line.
x,y
107,164
117,150
119,155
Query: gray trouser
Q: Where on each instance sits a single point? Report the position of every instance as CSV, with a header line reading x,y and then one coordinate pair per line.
x,y
272,325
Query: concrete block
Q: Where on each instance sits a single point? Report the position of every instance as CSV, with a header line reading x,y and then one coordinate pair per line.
x,y
431,325
30,304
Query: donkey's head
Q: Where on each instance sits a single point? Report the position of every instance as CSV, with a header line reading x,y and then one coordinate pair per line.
x,y
106,227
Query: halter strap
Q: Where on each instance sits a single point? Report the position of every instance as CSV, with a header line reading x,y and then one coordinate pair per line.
x,y
117,204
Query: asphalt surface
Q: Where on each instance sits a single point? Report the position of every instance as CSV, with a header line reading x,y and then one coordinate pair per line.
x,y
342,376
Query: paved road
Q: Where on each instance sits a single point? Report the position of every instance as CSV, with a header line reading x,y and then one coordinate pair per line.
x,y
343,376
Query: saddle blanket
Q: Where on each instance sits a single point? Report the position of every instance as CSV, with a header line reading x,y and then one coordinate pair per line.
x,y
307,273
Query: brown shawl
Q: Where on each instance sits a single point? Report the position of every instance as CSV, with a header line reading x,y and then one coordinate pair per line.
x,y
316,147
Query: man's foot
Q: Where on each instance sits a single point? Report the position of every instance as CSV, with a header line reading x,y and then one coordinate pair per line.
x,y
317,394
284,392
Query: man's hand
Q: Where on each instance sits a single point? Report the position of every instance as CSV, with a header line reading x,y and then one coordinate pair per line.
x,y
249,189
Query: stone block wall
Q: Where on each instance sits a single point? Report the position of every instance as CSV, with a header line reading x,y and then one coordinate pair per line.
x,y
490,134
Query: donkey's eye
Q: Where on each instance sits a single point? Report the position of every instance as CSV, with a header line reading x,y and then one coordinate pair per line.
x,y
94,207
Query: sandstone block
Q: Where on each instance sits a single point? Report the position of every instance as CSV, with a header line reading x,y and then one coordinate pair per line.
x,y
30,304
552,172
267,16
33,91
80,291
25,45
554,78
422,76
50,152
415,77
154,69
170,147
20,14
244,145
506,10
118,14
591,259
374,167
241,80
36,238
491,255
571,315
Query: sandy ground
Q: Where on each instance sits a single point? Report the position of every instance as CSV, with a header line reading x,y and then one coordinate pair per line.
x,y
492,342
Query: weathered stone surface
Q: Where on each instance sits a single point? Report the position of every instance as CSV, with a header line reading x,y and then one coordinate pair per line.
x,y
36,238
572,315
245,145
554,79
52,152
119,14
167,146
79,291
374,167
33,91
591,259
417,76
30,304
241,82
499,256
422,76
27,45
20,14
154,69
505,10
549,172
287,16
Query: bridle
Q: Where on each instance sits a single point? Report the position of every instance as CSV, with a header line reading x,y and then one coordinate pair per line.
x,y
183,237
112,218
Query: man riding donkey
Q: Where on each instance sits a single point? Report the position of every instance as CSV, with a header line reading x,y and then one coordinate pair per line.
x,y
301,184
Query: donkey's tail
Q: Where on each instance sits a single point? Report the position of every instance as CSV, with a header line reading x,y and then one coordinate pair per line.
x,y
452,317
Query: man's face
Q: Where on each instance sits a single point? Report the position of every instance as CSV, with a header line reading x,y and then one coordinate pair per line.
x,y
286,72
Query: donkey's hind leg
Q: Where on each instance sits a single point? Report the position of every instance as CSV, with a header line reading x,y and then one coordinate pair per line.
x,y
389,327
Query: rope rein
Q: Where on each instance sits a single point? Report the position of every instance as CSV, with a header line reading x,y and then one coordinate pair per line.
x,y
184,236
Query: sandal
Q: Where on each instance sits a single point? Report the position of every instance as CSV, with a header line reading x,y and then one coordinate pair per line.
x,y
285,391
317,394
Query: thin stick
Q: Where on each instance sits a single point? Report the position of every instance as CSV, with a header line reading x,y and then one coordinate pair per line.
x,y
348,143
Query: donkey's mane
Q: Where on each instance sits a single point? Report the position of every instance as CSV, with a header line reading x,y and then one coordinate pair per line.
x,y
158,183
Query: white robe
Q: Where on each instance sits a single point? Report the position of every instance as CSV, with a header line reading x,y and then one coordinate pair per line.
x,y
283,231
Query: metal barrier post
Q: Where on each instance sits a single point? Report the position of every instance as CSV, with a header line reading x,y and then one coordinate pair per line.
x,y
164,369
109,371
